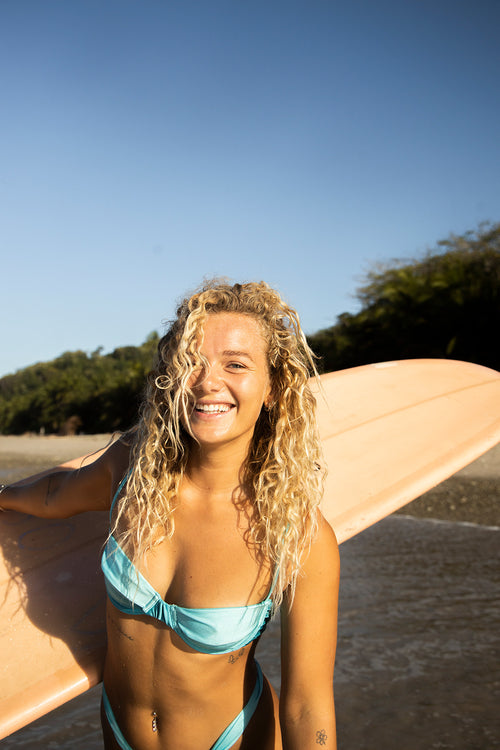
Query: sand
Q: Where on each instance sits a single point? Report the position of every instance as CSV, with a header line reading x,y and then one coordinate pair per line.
x,y
471,495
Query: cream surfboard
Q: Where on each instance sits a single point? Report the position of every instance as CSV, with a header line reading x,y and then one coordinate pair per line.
x,y
390,432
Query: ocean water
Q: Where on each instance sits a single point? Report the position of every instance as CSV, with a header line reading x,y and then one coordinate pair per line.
x,y
418,662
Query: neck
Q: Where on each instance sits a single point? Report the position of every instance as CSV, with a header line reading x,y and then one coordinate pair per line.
x,y
216,471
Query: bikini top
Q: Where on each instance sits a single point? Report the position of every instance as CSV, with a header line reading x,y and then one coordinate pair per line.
x,y
214,630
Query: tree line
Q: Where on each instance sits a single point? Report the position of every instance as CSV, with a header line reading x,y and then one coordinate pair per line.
x,y
77,392
445,304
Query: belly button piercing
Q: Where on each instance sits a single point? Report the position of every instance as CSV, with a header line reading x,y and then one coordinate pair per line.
x,y
154,722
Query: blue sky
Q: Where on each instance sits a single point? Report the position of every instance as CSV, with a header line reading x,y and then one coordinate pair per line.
x,y
146,144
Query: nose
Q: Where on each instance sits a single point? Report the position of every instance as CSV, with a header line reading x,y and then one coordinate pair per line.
x,y
210,380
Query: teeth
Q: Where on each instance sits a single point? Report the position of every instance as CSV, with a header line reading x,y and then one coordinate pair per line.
x,y
211,408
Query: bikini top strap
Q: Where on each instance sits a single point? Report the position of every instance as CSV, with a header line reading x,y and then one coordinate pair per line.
x,y
118,490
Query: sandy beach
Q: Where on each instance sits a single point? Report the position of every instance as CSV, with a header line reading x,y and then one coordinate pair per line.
x,y
471,495
419,621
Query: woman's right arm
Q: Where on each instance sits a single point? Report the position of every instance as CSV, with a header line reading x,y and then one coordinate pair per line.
x,y
68,489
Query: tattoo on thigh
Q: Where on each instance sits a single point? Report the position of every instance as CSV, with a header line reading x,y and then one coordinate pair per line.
x,y
321,737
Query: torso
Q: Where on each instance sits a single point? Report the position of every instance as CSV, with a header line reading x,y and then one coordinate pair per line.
x,y
149,668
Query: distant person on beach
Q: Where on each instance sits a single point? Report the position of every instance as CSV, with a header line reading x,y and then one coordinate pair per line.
x,y
214,525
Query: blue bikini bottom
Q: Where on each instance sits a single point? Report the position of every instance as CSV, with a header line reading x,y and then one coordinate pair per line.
x,y
228,736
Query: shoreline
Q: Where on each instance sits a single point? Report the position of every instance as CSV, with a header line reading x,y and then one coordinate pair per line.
x,y
472,495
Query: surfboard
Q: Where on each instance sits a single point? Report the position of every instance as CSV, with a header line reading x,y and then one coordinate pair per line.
x,y
393,430
390,432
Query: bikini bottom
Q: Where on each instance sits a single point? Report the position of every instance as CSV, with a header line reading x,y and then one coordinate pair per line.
x,y
228,736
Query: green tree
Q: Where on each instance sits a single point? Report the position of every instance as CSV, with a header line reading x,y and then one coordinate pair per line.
x,y
446,304
102,391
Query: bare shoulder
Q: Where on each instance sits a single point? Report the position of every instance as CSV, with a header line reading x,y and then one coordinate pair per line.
x,y
323,555
92,479
117,458
115,453
318,580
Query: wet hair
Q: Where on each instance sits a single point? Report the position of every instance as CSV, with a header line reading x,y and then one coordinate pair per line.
x,y
282,476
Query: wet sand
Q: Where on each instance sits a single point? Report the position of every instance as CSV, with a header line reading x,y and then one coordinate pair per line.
x,y
419,623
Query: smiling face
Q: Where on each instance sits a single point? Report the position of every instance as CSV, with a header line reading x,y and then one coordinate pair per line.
x,y
230,393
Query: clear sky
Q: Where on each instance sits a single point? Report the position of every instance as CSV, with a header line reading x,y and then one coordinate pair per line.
x,y
146,144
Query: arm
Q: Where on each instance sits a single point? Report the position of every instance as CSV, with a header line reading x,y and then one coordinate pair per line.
x,y
73,463
309,636
73,487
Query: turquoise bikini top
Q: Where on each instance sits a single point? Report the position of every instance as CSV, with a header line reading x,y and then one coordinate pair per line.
x,y
214,630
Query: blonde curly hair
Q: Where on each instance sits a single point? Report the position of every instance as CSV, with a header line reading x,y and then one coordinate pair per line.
x,y
283,470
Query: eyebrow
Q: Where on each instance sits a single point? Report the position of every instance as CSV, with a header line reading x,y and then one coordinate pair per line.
x,y
235,353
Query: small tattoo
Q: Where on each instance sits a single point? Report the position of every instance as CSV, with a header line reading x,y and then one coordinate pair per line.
x,y
321,737
118,628
154,722
233,658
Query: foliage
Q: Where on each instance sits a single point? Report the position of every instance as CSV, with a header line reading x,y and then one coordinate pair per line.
x,y
446,304
100,392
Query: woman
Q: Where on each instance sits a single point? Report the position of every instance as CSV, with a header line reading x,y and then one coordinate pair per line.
x,y
214,524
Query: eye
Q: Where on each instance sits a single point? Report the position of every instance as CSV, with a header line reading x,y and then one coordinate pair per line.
x,y
236,366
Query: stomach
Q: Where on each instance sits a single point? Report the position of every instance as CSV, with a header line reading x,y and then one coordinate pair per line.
x,y
163,694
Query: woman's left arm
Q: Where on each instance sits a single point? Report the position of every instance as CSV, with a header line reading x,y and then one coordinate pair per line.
x,y
308,642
